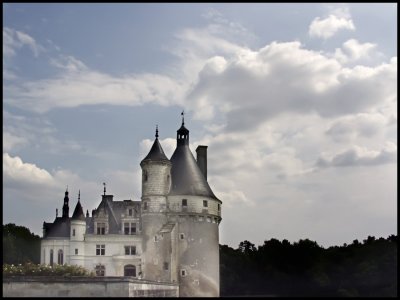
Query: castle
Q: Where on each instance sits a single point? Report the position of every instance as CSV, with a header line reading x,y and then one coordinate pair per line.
x,y
171,235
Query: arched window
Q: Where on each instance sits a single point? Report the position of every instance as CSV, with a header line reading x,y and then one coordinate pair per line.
x,y
100,270
51,257
60,257
130,270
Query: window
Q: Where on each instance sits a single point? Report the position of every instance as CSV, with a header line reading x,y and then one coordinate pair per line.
x,y
130,250
101,228
182,236
165,266
100,270
201,218
133,228
145,205
60,259
76,251
145,176
129,228
155,238
208,219
73,232
205,203
184,202
100,249
219,207
130,212
130,270
183,272
51,257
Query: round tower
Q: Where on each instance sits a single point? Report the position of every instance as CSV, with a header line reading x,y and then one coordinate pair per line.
x,y
156,181
197,214
77,237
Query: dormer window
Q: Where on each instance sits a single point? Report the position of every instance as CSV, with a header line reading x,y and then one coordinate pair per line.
x,y
130,212
101,228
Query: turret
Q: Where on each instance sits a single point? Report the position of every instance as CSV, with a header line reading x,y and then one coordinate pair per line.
x,y
78,230
156,181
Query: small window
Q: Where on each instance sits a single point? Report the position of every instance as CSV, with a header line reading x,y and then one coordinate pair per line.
x,y
208,219
165,266
184,202
100,270
60,260
100,249
183,272
219,207
126,228
155,238
51,257
145,205
182,236
101,228
130,212
76,251
205,203
145,177
201,219
133,228
130,250
73,232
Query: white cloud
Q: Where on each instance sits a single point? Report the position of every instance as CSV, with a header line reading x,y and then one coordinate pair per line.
x,y
354,51
14,40
326,28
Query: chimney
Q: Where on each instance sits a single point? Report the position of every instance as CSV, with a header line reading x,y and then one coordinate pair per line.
x,y
202,159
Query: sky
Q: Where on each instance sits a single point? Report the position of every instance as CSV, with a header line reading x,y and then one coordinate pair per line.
x,y
297,104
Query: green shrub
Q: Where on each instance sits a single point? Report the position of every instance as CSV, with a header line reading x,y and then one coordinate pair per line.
x,y
30,269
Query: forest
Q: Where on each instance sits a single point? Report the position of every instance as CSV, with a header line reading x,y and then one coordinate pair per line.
x,y
280,269
276,268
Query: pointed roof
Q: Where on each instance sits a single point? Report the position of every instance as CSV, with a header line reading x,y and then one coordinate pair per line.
x,y
156,152
187,178
78,212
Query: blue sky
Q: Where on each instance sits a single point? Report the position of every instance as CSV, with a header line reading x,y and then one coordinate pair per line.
x,y
297,103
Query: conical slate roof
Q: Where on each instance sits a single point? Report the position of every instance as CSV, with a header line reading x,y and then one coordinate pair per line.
x,y
156,152
187,179
78,212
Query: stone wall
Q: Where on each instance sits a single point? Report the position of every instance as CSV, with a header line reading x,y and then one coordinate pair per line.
x,y
44,286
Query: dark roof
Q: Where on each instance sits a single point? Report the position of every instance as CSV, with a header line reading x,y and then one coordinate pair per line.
x,y
183,129
78,212
187,179
114,209
59,228
156,153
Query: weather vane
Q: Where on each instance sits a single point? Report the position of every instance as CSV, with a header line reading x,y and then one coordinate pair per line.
x,y
183,117
104,188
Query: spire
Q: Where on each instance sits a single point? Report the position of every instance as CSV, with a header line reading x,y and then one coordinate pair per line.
x,y
87,213
78,212
65,209
104,188
182,137
156,152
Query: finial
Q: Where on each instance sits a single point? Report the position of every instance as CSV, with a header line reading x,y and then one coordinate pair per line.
x,y
56,212
87,213
79,196
104,188
183,117
66,191
157,131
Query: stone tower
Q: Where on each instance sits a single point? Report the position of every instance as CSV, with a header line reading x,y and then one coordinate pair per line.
x,y
197,214
156,246
77,238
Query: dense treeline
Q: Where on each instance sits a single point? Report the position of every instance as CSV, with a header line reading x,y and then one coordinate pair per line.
x,y
306,269
20,245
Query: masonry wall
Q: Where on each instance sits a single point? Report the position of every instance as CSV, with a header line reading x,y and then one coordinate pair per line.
x,y
85,287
